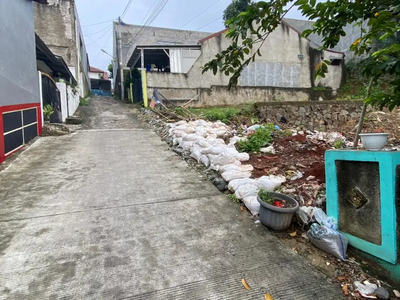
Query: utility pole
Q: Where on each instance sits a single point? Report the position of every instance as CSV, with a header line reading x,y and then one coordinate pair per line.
x,y
120,64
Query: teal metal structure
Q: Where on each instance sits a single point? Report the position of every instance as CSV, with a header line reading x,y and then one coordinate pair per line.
x,y
388,162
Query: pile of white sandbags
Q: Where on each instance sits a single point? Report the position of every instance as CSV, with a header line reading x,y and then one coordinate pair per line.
x,y
204,142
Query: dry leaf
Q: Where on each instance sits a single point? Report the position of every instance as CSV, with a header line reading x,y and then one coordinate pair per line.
x,y
268,297
341,278
241,208
295,250
245,284
293,234
345,289
396,293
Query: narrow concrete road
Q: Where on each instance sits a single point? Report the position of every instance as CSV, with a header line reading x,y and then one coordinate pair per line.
x,y
111,213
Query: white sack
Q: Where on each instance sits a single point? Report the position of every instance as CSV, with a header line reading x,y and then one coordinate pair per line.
x,y
270,182
234,174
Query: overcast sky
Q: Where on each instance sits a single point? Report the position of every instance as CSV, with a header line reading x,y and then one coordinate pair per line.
x,y
174,15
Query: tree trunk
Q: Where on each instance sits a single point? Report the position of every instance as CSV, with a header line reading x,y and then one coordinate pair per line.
x,y
361,121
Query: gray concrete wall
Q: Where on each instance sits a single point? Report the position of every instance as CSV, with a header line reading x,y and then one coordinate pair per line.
x,y
221,96
279,68
152,36
57,24
317,115
19,81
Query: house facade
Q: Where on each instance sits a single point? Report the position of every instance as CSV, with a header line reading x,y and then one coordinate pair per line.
x,y
57,24
99,82
20,108
95,73
284,72
126,37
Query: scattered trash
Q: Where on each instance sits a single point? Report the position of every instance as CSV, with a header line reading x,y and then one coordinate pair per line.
x,y
245,284
297,176
268,297
293,234
345,289
310,178
325,236
381,293
396,293
269,149
304,214
366,289
257,222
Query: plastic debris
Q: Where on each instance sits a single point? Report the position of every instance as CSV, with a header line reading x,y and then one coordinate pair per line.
x,y
396,293
325,236
366,289
297,176
381,293
269,149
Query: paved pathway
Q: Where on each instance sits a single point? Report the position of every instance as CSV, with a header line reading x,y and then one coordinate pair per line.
x,y
111,213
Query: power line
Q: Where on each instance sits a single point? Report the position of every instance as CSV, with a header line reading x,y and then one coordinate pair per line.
x,y
94,42
98,23
200,13
156,11
97,31
126,8
209,23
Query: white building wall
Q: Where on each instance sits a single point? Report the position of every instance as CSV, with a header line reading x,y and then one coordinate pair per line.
x,y
62,87
73,101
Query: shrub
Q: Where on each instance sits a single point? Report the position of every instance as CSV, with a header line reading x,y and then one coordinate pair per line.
x,y
83,102
260,138
48,111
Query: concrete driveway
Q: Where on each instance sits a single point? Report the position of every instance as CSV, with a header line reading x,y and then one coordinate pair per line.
x,y
111,213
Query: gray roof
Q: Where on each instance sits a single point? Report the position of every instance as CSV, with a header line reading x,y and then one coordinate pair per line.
x,y
133,35
352,33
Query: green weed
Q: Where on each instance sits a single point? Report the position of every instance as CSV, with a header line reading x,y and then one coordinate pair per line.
x,y
233,198
265,196
83,102
338,144
260,138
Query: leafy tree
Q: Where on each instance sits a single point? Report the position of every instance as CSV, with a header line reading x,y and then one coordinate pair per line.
x,y
111,69
235,8
249,30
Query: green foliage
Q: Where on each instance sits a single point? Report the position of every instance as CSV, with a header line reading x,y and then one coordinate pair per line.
x,y
48,111
179,110
260,138
83,102
223,114
111,68
265,196
233,198
235,8
338,144
249,30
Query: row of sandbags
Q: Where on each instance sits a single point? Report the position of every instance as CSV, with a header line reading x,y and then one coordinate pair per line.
x,y
204,141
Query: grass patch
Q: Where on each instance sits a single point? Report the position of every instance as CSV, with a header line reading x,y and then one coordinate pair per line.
x,y
83,102
261,137
233,198
224,114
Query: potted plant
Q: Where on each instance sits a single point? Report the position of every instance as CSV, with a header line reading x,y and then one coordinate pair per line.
x,y
48,111
374,141
276,211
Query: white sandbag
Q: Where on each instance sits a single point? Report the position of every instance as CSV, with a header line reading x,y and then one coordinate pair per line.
x,y
217,142
181,123
270,182
252,204
214,167
223,159
190,137
234,140
234,174
176,141
242,156
243,168
178,133
201,131
196,155
215,150
186,145
204,159
236,183
246,190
